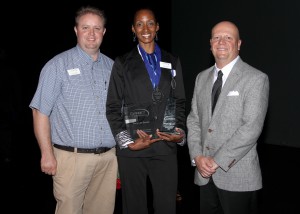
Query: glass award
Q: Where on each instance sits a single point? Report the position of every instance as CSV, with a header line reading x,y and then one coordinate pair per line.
x,y
169,121
139,117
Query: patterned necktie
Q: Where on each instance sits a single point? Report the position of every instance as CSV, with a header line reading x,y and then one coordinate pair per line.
x,y
154,76
216,90
152,61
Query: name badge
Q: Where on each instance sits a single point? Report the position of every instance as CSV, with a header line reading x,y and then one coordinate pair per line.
x,y
166,65
74,71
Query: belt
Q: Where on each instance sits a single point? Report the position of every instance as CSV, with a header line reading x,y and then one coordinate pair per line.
x,y
81,150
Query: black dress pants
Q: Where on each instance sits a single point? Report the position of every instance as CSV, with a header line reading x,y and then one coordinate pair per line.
x,y
217,201
162,173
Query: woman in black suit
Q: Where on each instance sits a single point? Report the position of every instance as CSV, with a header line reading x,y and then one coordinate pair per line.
x,y
143,83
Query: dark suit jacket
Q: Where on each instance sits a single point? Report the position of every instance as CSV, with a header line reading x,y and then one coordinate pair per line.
x,y
130,85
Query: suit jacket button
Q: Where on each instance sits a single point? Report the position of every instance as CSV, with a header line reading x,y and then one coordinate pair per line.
x,y
210,130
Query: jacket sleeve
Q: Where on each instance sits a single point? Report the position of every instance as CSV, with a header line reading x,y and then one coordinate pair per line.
x,y
179,94
194,126
114,105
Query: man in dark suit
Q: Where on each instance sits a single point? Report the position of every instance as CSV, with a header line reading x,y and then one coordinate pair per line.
x,y
222,142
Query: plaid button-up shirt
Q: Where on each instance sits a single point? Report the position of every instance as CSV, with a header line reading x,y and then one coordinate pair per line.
x,y
72,91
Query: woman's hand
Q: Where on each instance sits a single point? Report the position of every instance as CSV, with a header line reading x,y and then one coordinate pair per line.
x,y
144,141
176,137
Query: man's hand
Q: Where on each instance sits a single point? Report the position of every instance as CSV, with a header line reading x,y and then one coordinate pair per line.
x,y
206,166
48,164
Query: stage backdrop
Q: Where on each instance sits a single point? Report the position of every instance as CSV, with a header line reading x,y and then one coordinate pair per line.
x,y
270,42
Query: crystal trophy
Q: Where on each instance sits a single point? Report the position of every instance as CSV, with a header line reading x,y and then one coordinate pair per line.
x,y
139,117
169,121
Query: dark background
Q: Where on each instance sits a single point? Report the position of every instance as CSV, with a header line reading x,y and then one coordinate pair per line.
x,y
35,32
269,32
32,33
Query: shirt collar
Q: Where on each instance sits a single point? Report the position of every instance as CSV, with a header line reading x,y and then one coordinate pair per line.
x,y
226,69
143,53
87,57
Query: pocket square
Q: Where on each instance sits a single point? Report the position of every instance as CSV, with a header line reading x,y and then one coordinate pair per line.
x,y
233,93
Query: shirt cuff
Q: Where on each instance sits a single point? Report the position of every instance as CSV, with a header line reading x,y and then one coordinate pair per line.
x,y
123,139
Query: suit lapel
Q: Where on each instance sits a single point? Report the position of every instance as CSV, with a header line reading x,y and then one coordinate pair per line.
x,y
140,72
228,86
208,89
165,78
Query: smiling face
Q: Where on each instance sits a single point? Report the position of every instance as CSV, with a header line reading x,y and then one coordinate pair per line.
x,y
90,30
225,43
145,28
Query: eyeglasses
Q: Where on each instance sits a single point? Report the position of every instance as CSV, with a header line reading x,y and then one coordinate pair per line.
x,y
219,38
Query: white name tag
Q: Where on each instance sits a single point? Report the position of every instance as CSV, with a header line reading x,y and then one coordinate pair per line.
x,y
74,71
166,65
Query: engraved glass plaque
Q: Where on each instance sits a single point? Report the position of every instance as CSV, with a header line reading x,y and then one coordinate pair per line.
x,y
169,121
139,117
